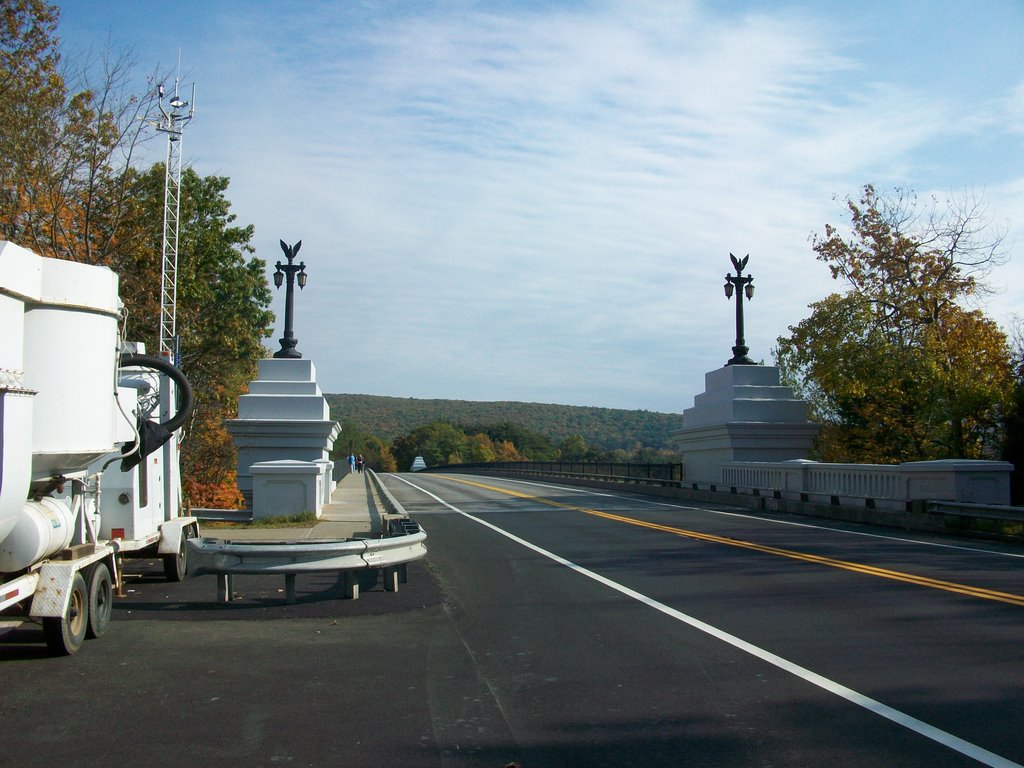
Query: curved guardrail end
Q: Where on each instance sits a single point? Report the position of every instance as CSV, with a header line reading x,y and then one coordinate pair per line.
x,y
226,558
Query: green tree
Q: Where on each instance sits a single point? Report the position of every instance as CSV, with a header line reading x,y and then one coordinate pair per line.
x,y
438,443
573,448
896,367
222,308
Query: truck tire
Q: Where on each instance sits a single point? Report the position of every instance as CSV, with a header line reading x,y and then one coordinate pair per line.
x,y
176,565
65,634
101,601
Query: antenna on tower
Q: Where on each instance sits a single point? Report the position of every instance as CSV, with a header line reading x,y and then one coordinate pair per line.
x,y
172,121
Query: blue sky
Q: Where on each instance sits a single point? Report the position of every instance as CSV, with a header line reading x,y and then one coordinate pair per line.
x,y
536,201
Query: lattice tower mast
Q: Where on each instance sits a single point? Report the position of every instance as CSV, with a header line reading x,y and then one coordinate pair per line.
x,y
172,121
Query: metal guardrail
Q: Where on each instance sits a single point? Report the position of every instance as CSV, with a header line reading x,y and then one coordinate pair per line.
x,y
404,542
609,470
222,515
667,475
392,507
226,558
208,555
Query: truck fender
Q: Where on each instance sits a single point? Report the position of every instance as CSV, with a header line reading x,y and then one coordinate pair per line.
x,y
54,589
172,531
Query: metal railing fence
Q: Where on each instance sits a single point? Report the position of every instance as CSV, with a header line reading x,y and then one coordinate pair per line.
x,y
659,474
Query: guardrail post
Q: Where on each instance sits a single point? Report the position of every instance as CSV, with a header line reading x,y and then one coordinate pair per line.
x,y
225,588
390,575
350,583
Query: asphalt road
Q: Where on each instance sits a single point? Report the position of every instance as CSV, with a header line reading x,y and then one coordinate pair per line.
x,y
556,627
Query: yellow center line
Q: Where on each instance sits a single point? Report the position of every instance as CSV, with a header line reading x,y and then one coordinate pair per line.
x,y
869,570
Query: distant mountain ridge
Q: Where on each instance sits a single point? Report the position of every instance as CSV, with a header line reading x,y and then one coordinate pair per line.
x,y
607,428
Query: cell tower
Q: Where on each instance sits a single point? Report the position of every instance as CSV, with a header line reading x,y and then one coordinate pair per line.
x,y
172,121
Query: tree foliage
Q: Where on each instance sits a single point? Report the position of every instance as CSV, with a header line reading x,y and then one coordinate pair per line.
x,y
69,134
441,442
375,452
898,367
437,442
536,428
222,311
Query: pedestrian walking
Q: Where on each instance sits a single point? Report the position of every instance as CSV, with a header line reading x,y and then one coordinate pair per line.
x,y
351,462
359,463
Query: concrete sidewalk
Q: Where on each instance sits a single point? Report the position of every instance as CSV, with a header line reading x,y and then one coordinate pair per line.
x,y
352,511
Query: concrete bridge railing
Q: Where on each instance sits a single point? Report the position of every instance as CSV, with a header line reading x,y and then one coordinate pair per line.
x,y
957,480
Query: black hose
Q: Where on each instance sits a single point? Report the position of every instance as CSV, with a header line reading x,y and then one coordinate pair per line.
x,y
186,400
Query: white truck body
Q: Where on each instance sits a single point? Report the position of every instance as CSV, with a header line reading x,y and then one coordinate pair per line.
x,y
140,508
66,411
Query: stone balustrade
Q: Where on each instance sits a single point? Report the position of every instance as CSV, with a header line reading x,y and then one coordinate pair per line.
x,y
960,480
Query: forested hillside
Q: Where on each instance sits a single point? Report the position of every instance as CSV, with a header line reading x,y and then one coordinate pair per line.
x,y
607,428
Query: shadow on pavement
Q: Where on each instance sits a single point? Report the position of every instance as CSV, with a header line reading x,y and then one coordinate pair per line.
x,y
147,595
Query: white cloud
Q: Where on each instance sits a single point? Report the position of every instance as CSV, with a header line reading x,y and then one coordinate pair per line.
x,y
503,203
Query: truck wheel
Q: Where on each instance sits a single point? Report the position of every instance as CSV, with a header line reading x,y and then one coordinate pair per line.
x,y
176,565
65,634
101,601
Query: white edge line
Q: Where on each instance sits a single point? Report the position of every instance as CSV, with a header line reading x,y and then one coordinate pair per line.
x,y
894,715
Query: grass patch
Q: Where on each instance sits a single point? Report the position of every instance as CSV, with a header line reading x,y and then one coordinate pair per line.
x,y
300,520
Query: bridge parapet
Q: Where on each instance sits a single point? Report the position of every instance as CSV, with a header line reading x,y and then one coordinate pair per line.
x,y
895,486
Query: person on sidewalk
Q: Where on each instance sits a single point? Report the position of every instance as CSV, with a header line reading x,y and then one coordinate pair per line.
x,y
351,462
359,463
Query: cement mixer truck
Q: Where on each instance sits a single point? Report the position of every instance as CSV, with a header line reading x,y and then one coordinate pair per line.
x,y
84,454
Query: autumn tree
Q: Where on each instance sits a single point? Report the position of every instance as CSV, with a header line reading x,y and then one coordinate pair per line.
x,y
443,443
385,461
480,448
527,443
899,367
506,450
69,131
32,94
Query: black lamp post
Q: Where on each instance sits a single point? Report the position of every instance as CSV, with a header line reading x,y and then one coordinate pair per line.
x,y
741,286
288,341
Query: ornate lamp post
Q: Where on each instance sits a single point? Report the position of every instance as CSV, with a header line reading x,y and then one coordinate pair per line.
x,y
741,286
288,341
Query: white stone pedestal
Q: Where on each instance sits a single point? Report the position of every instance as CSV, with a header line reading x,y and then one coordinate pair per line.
x,y
744,414
284,417
287,487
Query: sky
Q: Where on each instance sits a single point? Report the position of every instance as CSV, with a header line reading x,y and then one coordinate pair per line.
x,y
536,201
